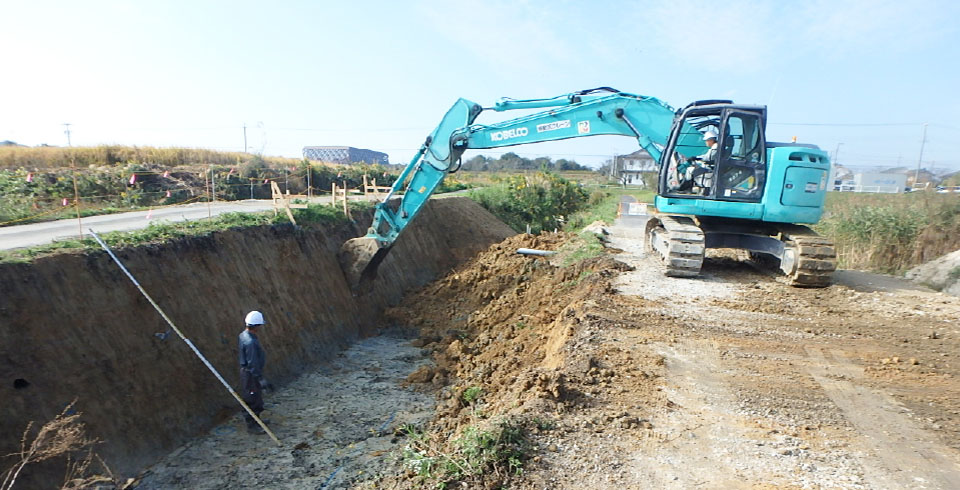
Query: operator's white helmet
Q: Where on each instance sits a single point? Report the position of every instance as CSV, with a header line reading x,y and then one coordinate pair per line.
x,y
709,135
254,318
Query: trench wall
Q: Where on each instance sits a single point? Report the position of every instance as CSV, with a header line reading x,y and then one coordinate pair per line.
x,y
73,326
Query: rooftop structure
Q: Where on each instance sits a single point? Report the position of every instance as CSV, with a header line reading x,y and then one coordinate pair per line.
x,y
344,154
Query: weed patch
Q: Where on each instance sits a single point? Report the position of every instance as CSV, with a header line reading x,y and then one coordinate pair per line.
x,y
891,233
497,453
542,200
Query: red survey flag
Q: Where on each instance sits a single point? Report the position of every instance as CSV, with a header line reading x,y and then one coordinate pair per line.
x,y
168,193
166,173
133,179
65,201
30,177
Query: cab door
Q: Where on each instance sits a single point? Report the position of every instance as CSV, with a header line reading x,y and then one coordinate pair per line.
x,y
741,157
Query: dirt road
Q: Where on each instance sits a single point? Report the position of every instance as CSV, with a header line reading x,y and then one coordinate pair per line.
x,y
851,386
623,378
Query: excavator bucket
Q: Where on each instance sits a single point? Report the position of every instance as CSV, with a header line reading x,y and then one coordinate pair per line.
x,y
359,259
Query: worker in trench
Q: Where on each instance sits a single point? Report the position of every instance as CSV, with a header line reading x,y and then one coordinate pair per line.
x,y
252,359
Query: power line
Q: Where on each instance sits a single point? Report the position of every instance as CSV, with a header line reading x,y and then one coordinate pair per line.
x,y
843,124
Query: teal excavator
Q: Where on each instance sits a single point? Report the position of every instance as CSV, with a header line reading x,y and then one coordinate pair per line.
x,y
737,191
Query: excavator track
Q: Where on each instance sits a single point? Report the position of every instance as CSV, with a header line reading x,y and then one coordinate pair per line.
x,y
678,242
816,258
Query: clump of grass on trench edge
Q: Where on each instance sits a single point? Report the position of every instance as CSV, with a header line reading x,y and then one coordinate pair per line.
x,y
497,451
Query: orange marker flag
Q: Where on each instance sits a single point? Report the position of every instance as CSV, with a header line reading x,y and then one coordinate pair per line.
x,y
133,179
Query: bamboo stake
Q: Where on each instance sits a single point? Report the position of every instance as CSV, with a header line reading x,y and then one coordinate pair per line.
x,y
185,339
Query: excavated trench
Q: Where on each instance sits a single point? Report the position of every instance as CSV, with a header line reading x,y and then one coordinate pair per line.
x,y
615,376
73,327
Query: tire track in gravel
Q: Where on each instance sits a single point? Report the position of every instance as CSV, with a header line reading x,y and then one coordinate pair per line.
x,y
902,455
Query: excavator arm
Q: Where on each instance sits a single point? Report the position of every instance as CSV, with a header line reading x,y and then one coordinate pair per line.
x,y
596,112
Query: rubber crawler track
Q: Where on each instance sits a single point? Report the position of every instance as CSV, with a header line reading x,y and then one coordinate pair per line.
x,y
684,248
816,258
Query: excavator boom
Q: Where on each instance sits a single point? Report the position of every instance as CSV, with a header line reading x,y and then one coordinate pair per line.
x,y
744,192
595,112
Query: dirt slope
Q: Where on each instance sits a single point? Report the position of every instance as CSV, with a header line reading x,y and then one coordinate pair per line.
x,y
732,380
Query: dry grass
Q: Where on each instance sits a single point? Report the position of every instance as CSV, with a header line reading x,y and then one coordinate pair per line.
x,y
51,157
891,233
63,437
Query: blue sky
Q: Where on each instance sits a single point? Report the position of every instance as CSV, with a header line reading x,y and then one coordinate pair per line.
x,y
379,75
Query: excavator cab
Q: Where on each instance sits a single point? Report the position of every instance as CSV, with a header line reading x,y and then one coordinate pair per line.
x,y
736,170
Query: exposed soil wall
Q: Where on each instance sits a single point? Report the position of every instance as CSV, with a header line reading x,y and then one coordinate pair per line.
x,y
72,326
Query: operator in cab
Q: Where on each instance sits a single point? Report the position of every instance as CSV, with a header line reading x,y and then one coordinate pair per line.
x,y
710,139
689,171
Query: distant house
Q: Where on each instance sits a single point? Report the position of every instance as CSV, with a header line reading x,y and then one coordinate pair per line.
x,y
344,155
630,169
8,143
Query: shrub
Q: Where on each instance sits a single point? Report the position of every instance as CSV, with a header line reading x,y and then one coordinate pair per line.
x,y
542,200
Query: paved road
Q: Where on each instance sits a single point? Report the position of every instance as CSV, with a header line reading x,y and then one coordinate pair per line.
x,y
49,231
40,233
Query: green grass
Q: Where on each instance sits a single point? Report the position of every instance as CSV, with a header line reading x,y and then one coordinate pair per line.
x,y
501,449
542,200
315,214
471,394
602,206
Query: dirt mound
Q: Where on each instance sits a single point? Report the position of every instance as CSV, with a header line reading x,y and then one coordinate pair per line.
x,y
508,334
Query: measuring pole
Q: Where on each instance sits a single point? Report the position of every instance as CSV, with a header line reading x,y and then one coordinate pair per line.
x,y
309,189
206,188
185,339
916,177
213,183
76,192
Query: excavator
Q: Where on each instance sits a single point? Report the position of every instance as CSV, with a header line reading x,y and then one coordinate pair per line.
x,y
720,183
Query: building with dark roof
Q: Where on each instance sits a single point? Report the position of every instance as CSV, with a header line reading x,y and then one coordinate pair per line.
x,y
344,155
630,169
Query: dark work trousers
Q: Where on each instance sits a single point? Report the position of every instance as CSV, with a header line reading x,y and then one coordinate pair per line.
x,y
252,395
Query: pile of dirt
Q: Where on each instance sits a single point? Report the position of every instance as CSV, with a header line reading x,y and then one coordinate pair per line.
x,y
513,338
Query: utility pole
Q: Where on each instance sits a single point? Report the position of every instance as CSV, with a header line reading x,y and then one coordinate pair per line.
x,y
836,154
213,183
67,132
309,189
916,177
244,137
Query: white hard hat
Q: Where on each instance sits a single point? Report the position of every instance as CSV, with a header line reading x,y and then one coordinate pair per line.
x,y
254,318
709,135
